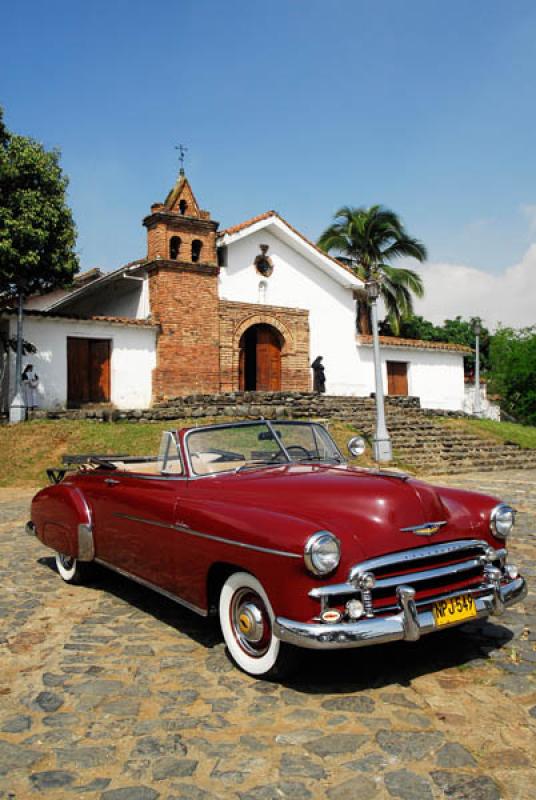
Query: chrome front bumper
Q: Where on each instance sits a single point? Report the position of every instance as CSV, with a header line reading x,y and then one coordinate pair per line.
x,y
408,625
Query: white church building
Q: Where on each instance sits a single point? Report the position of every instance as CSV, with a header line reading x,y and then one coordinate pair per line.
x,y
246,308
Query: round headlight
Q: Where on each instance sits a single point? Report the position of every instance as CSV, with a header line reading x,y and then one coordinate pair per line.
x,y
356,446
322,553
502,520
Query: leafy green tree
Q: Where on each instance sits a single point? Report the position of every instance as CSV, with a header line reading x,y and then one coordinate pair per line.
x,y
513,371
412,327
367,240
455,331
37,232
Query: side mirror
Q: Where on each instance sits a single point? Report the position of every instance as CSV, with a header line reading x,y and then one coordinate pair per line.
x,y
356,446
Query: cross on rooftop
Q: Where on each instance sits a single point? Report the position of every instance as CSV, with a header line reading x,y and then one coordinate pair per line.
x,y
182,152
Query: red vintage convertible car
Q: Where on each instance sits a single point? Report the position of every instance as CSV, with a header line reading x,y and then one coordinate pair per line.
x,y
267,525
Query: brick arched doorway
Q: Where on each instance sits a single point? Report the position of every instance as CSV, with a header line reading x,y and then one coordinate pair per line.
x,y
259,362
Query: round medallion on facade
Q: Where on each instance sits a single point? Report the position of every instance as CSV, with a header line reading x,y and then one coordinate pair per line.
x,y
263,263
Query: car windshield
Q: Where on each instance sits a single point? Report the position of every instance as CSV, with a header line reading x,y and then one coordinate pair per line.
x,y
222,448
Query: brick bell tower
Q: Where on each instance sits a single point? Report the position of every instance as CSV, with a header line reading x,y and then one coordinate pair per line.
x,y
183,288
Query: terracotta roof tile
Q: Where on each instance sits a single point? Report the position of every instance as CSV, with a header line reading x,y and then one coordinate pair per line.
x,y
420,344
34,312
242,225
267,214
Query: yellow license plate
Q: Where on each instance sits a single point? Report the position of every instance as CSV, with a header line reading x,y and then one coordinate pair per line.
x,y
454,609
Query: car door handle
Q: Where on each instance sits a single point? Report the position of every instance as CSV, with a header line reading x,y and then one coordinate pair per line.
x,y
111,481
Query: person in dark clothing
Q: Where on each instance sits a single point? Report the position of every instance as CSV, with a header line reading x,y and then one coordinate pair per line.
x,y
319,375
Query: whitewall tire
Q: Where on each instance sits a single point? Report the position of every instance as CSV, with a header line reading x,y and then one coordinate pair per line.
x,y
246,620
69,568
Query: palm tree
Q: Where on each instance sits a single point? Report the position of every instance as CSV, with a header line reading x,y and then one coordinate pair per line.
x,y
367,239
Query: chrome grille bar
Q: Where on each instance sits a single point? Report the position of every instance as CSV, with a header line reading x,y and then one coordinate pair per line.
x,y
405,557
451,571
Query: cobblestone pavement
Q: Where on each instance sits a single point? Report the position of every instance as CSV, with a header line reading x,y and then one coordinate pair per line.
x,y
111,692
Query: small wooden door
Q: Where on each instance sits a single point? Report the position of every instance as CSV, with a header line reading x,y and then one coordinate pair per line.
x,y
397,378
88,371
268,360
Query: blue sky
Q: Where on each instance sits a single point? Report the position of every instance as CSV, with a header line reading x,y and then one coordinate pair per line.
x,y
297,105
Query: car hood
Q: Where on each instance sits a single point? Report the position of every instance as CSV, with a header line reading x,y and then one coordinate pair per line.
x,y
365,509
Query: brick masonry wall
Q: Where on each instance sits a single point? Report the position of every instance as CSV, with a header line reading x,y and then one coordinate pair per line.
x,y
184,300
183,296
159,235
291,323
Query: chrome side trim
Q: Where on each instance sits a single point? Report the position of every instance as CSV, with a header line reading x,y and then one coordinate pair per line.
x,y
416,554
407,625
148,585
191,532
86,545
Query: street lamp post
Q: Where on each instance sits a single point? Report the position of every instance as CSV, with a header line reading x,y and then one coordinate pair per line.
x,y
476,405
381,443
17,409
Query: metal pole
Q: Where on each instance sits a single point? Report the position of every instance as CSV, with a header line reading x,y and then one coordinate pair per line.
x,y
381,443
18,360
17,409
476,406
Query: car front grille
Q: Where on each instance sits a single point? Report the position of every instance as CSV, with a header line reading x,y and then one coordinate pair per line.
x,y
434,571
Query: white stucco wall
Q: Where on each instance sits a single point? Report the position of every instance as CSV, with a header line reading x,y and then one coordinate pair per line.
x,y
435,376
298,283
488,408
133,357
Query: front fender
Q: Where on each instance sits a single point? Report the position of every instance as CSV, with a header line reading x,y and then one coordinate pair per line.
x,y
63,522
269,545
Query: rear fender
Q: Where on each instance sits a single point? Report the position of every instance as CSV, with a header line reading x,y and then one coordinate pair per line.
x,y
62,520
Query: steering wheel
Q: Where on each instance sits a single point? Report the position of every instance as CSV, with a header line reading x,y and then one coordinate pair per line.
x,y
297,450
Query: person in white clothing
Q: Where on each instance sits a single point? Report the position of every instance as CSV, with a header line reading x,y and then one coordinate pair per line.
x,y
30,382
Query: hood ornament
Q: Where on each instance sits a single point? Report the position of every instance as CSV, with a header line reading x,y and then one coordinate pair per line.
x,y
426,529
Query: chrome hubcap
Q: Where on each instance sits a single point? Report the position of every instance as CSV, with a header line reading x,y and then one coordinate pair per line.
x,y
250,622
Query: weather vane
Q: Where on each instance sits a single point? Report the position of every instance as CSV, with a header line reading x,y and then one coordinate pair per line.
x,y
182,152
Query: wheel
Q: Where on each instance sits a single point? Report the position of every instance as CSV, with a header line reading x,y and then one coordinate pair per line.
x,y
71,570
246,619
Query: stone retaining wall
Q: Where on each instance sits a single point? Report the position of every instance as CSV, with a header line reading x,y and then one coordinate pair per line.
x,y
272,405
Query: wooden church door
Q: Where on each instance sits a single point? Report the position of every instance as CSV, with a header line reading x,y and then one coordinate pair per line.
x,y
259,360
268,360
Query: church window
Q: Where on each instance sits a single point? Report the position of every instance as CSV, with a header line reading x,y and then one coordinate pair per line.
x,y
222,256
263,285
174,247
197,246
183,205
